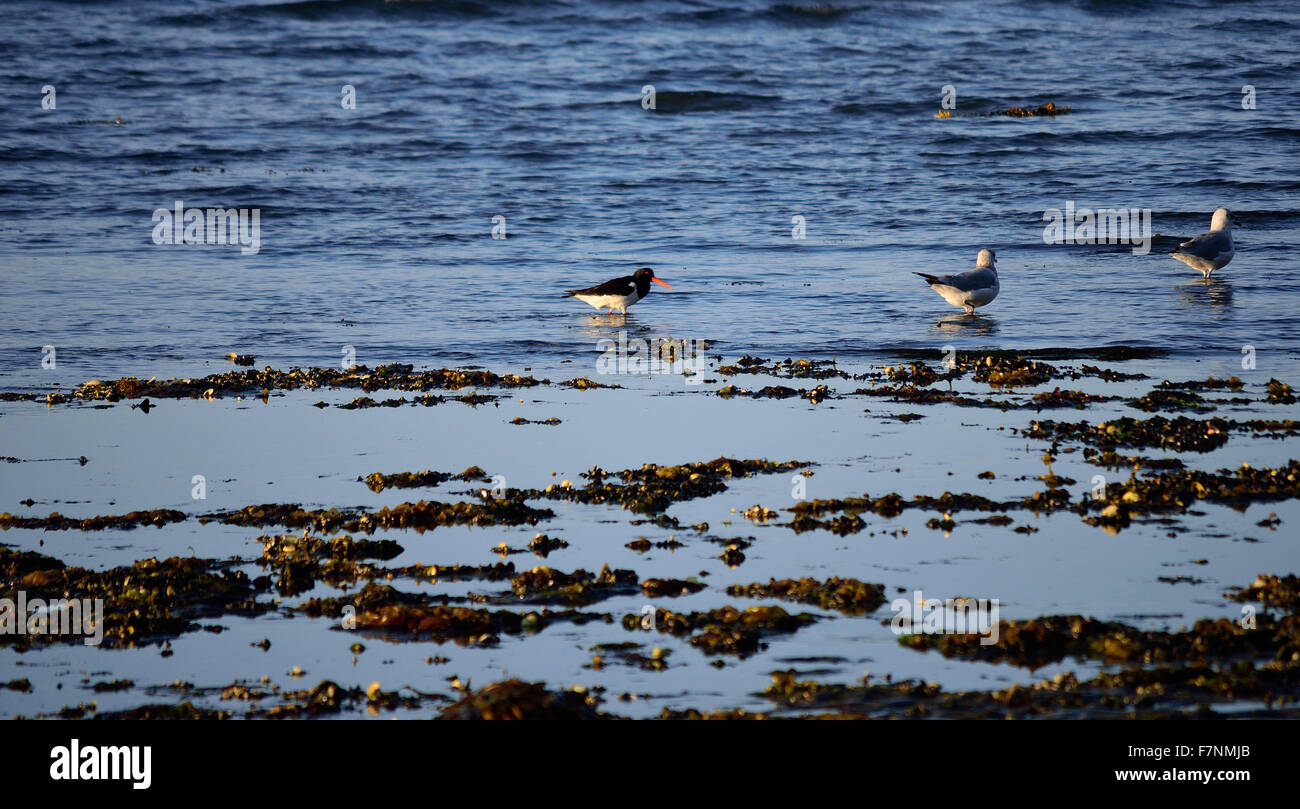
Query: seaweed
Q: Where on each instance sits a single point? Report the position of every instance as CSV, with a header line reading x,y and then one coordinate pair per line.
x,y
726,630
849,596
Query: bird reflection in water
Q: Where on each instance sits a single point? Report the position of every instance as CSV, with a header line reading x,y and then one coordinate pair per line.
x,y
1213,292
976,325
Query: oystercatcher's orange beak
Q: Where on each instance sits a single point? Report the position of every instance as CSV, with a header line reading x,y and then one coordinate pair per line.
x,y
660,283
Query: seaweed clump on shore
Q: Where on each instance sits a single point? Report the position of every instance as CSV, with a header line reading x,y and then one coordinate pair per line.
x,y
725,630
466,626
516,699
325,699
653,488
421,516
1175,491
1017,372
1164,399
545,585
808,512
784,369
1282,592
377,481
124,522
300,561
1175,692
148,602
1037,642
1280,392
815,395
1066,398
1179,434
394,376
848,596
1210,383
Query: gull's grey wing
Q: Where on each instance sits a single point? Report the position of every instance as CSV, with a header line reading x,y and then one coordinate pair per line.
x,y
1207,245
980,278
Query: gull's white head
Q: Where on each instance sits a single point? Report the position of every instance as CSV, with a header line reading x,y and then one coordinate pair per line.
x,y
987,258
1222,219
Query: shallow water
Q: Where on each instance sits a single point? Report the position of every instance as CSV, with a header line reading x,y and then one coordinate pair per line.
x,y
382,215
376,236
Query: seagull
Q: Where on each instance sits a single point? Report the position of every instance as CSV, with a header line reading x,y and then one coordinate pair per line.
x,y
1209,251
619,293
977,287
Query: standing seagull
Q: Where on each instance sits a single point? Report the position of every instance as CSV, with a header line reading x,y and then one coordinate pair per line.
x,y
1209,251
619,293
978,287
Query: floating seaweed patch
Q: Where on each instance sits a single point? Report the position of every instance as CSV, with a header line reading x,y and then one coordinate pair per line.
x,y
1049,110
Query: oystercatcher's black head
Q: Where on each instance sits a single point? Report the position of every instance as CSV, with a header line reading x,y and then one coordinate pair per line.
x,y
643,276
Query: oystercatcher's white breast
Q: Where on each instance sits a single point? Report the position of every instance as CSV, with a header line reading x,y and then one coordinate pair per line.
x,y
610,301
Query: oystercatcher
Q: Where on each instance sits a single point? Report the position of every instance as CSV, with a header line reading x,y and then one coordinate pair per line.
x,y
619,293
1209,251
978,287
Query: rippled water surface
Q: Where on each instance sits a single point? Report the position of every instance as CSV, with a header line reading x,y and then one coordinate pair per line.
x,y
376,239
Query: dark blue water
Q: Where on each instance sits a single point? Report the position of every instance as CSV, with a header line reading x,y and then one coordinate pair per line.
x,y
376,222
376,226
